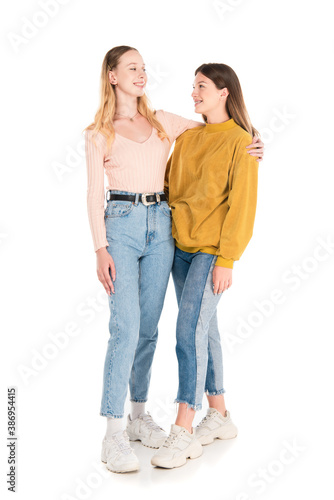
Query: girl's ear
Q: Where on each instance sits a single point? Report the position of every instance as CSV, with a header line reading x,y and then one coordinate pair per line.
x,y
224,93
112,78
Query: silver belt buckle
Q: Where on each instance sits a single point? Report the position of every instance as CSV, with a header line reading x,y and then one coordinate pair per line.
x,y
145,202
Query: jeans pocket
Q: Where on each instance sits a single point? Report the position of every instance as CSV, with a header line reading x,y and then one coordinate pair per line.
x,y
118,208
164,208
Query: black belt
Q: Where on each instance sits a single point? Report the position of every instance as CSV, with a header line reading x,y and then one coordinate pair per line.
x,y
145,198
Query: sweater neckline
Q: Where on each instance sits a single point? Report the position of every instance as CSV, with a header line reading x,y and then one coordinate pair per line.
x,y
220,127
136,142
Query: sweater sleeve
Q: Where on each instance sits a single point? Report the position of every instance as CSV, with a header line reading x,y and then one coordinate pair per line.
x,y
238,225
95,187
175,125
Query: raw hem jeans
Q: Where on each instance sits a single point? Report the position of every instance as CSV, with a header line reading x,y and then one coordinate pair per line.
x,y
198,347
142,247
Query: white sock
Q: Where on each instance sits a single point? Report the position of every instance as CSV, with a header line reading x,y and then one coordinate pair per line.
x,y
136,409
113,425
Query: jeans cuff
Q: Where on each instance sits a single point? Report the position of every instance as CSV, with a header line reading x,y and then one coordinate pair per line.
x,y
111,415
194,407
214,393
138,400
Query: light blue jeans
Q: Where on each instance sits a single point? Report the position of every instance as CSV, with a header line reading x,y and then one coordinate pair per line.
x,y
198,346
142,247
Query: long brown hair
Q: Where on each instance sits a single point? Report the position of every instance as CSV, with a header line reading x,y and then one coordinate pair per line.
x,y
224,76
103,121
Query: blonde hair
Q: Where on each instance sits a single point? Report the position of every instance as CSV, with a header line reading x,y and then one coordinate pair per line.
x,y
103,121
224,76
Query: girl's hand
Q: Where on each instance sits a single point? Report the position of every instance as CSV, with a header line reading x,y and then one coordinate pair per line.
x,y
222,279
257,148
105,261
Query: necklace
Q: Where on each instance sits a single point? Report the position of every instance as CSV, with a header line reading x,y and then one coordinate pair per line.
x,y
130,118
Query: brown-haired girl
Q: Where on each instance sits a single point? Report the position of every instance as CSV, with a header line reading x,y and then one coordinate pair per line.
x,y
211,183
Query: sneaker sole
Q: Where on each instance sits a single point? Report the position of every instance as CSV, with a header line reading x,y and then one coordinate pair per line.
x,y
134,468
131,469
225,434
120,471
145,443
194,453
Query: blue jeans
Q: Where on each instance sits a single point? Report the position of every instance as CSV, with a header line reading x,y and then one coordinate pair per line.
x,y
142,247
198,347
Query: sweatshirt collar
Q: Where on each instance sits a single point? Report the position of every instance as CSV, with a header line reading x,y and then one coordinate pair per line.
x,y
220,127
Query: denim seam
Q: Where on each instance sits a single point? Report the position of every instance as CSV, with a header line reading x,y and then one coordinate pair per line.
x,y
213,374
133,368
112,354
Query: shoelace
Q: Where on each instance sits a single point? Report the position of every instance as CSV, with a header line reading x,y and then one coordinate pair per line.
x,y
150,422
170,441
210,416
123,443
206,418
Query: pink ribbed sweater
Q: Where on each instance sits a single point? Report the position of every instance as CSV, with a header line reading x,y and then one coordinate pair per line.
x,y
129,166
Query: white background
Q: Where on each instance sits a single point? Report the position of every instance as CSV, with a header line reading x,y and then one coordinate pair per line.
x,y
278,366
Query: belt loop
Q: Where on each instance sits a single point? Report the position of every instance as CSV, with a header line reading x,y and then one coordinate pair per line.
x,y
137,199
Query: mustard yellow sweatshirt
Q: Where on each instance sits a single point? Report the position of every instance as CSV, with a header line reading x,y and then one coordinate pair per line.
x,y
211,186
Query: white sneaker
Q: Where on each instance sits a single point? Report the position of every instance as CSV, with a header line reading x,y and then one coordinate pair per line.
x,y
179,446
118,454
144,429
215,425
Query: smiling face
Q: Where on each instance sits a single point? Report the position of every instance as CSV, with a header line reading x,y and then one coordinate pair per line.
x,y
130,75
207,98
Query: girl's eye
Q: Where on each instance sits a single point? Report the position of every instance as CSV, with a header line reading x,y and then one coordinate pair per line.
x,y
133,68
